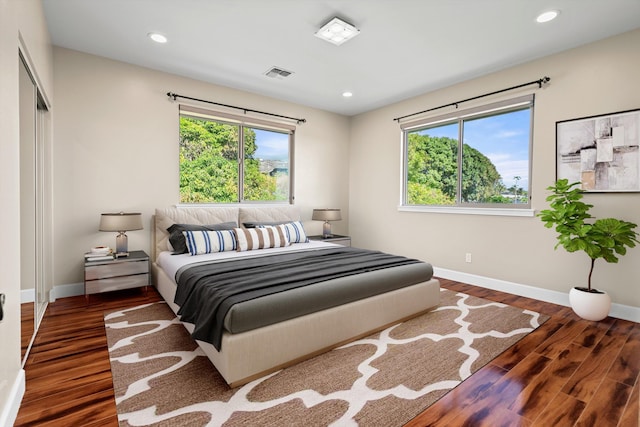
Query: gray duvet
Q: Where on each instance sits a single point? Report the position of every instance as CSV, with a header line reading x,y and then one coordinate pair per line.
x,y
243,294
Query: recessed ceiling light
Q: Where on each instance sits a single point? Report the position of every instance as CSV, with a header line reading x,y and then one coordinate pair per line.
x,y
547,16
337,31
347,94
157,37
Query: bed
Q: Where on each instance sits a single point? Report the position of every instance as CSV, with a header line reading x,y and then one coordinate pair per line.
x,y
248,349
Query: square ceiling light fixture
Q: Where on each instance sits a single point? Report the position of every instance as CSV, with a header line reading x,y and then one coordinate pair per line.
x,y
337,31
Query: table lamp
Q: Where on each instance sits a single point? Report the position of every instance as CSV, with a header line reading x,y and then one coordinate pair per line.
x,y
121,222
326,215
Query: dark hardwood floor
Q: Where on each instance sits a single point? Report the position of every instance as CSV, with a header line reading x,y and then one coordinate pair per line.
x,y
68,373
569,372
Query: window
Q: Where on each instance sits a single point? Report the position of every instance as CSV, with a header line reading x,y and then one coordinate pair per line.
x,y
224,159
473,158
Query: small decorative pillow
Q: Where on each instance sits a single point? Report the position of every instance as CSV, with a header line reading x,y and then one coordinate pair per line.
x,y
206,241
295,232
176,237
259,238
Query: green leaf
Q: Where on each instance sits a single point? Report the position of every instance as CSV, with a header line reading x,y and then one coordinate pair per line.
x,y
605,238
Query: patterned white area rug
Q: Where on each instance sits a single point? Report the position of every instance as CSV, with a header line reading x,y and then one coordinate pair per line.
x,y
162,378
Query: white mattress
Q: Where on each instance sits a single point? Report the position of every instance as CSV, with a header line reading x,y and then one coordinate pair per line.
x,y
172,263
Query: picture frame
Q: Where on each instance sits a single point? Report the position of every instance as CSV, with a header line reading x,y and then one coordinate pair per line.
x,y
601,152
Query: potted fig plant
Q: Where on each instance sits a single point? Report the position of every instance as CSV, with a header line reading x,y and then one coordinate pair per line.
x,y
605,238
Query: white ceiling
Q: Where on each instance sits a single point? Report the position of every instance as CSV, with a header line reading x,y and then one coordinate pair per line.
x,y
405,47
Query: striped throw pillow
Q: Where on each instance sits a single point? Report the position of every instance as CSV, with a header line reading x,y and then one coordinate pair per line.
x,y
205,241
259,238
294,231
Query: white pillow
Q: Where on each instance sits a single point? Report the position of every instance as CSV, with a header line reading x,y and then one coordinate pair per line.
x,y
259,238
295,232
208,241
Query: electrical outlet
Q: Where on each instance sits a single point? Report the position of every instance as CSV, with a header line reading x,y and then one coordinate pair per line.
x,y
467,257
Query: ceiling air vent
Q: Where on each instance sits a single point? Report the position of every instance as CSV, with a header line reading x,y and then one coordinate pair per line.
x,y
277,73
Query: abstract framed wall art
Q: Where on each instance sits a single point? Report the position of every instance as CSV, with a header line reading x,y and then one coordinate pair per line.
x,y
601,152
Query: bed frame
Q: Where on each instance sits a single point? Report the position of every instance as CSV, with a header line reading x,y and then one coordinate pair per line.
x,y
249,355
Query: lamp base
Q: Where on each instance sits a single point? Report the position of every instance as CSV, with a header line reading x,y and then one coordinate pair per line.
x,y
122,245
326,230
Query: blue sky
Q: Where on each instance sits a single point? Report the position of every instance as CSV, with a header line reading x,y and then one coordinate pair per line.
x,y
271,145
503,138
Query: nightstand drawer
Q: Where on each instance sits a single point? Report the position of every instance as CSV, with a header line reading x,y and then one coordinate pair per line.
x,y
115,269
116,283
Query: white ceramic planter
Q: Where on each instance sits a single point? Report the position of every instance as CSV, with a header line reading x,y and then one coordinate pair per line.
x,y
590,305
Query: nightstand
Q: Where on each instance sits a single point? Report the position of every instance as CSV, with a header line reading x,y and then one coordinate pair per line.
x,y
120,273
335,238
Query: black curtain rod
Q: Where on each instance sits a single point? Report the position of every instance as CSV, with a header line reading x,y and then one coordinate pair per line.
x,y
539,82
246,110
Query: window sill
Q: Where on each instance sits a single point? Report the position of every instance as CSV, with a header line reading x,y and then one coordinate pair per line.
x,y
468,211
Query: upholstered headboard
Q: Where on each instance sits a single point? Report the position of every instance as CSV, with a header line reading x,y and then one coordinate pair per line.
x,y
165,217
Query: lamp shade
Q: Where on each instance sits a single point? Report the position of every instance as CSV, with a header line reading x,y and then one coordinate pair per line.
x,y
326,215
120,221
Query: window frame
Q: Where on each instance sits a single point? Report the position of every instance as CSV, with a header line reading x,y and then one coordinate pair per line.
x,y
459,117
242,122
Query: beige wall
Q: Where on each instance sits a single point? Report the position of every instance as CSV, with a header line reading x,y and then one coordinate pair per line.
x,y
22,25
116,136
595,79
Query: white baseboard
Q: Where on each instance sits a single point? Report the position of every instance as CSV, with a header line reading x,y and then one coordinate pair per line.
x,y
9,413
59,291
27,295
68,290
619,311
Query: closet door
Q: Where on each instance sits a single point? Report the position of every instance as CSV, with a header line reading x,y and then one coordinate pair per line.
x,y
29,255
35,166
42,169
